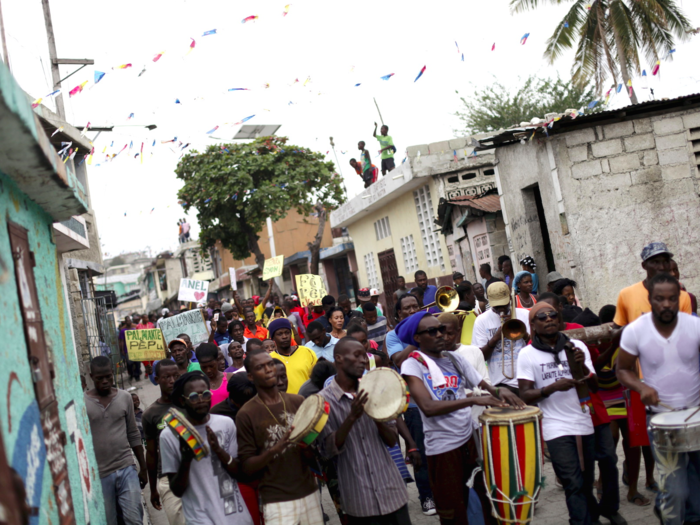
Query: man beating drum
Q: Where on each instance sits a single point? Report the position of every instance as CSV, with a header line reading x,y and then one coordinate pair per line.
x,y
437,384
667,343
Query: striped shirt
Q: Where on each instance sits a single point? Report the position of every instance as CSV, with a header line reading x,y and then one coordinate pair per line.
x,y
369,482
377,331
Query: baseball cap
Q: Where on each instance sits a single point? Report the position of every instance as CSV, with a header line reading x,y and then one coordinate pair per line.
x,y
374,292
499,294
364,294
226,307
164,311
171,343
553,277
457,275
654,248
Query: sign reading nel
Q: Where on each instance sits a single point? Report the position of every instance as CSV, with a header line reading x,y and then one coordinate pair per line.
x,y
273,268
191,323
193,291
145,345
311,289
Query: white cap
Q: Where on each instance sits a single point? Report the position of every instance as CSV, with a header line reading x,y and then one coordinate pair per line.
x,y
374,292
164,311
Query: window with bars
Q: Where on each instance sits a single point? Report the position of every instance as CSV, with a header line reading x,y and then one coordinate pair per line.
x,y
382,229
410,259
426,220
371,269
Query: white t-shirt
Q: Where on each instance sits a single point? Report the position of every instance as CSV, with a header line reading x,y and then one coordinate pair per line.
x,y
670,366
475,356
484,327
213,495
562,414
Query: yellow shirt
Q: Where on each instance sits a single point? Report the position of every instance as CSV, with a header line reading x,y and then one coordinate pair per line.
x,y
299,366
259,311
468,328
633,301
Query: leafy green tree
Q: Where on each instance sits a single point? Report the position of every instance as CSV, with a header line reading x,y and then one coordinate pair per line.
x,y
236,187
609,36
497,107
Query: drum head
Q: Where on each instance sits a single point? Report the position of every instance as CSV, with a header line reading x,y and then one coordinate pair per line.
x,y
503,416
676,419
387,394
306,417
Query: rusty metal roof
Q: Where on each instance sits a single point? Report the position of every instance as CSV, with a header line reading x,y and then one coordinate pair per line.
x,y
487,203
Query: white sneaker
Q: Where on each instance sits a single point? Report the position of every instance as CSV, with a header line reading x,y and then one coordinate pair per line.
x,y
428,506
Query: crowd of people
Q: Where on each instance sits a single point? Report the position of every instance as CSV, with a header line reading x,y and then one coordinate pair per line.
x,y
241,390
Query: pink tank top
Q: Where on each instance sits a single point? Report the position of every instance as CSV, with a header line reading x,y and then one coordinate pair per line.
x,y
221,393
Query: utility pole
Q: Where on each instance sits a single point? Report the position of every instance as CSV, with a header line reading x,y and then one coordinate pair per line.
x,y
55,73
4,42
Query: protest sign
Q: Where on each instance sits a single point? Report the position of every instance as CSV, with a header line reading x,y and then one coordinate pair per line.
x,y
145,345
232,278
310,289
191,323
193,291
273,267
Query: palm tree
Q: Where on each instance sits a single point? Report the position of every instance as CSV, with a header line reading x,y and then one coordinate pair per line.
x,y
610,34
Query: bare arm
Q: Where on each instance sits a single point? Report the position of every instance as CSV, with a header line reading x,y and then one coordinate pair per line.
x,y
387,433
152,464
503,394
231,464
532,395
181,479
490,345
374,133
400,357
627,375
430,407
237,301
267,294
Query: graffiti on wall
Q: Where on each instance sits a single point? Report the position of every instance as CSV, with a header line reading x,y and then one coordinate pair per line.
x,y
29,457
76,438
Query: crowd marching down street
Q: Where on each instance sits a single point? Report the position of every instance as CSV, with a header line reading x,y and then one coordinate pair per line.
x,y
482,382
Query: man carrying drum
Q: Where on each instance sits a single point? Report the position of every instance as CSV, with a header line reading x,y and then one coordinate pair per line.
x,y
545,377
287,488
667,343
371,487
437,384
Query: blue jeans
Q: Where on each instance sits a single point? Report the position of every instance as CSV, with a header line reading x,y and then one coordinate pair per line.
x,y
121,490
679,484
415,427
578,483
607,460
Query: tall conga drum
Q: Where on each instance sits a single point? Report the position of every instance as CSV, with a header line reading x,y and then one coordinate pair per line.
x,y
512,447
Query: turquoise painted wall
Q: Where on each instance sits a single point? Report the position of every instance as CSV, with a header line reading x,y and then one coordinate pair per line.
x,y
118,288
19,416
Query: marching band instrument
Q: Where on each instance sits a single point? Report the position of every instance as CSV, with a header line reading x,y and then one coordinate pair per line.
x,y
591,334
512,449
310,419
446,299
677,431
181,427
511,329
387,394
576,369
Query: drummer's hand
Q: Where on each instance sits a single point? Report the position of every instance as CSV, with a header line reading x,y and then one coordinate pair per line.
x,y
414,459
358,405
282,444
213,441
186,451
579,356
649,395
489,401
564,384
155,500
509,397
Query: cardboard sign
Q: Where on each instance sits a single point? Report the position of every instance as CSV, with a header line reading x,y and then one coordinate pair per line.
x,y
191,323
273,268
310,289
145,345
232,278
193,291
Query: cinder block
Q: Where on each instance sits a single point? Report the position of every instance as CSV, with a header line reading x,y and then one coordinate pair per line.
x,y
607,148
639,142
623,163
692,120
439,147
621,129
612,182
458,143
643,125
651,158
584,170
679,171
673,156
413,151
578,153
605,164
580,137
667,126
646,175
672,141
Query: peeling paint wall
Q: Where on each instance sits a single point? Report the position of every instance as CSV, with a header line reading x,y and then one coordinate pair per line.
x,y
19,414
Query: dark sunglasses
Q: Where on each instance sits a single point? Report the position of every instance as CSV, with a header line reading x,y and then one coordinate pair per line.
x,y
194,396
432,332
543,316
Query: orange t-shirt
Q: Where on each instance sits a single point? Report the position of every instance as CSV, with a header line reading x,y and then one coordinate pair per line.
x,y
633,301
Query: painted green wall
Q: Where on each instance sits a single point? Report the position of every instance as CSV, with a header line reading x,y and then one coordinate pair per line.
x,y
19,416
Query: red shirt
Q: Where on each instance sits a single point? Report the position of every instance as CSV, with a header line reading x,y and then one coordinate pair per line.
x,y
260,333
314,316
146,326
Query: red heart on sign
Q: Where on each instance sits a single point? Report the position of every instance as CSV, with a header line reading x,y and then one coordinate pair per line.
x,y
199,295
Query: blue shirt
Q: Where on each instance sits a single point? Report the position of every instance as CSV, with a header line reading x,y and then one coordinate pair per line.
x,y
222,339
394,346
535,283
429,297
326,351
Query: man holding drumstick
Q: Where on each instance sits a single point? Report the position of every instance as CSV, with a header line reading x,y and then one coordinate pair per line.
x,y
667,343
437,385
371,488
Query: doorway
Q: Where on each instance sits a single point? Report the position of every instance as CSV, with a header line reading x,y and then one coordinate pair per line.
x,y
533,198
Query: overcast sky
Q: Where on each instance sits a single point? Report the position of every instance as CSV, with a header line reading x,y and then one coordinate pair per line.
x,y
336,45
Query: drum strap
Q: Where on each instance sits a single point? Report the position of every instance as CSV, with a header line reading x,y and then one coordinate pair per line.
x,y
460,372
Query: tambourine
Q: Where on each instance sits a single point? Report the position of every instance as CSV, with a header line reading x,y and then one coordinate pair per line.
x,y
176,421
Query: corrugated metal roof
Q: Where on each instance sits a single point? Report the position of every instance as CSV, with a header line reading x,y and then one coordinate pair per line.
x,y
487,204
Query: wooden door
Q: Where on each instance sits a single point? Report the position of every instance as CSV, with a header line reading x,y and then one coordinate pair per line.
x,y
390,272
42,370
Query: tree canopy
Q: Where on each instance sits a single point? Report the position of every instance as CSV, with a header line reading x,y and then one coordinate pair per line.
x,y
235,187
495,107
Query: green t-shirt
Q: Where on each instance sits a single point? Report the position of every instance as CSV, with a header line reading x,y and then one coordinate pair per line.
x,y
386,141
193,366
366,161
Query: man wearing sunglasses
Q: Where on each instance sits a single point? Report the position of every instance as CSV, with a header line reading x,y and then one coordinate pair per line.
x,y
208,487
545,379
437,382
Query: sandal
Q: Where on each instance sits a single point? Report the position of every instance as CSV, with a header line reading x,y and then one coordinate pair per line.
x,y
625,478
643,502
654,487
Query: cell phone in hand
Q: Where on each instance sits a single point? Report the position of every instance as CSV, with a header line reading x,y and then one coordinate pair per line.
x,y
216,318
